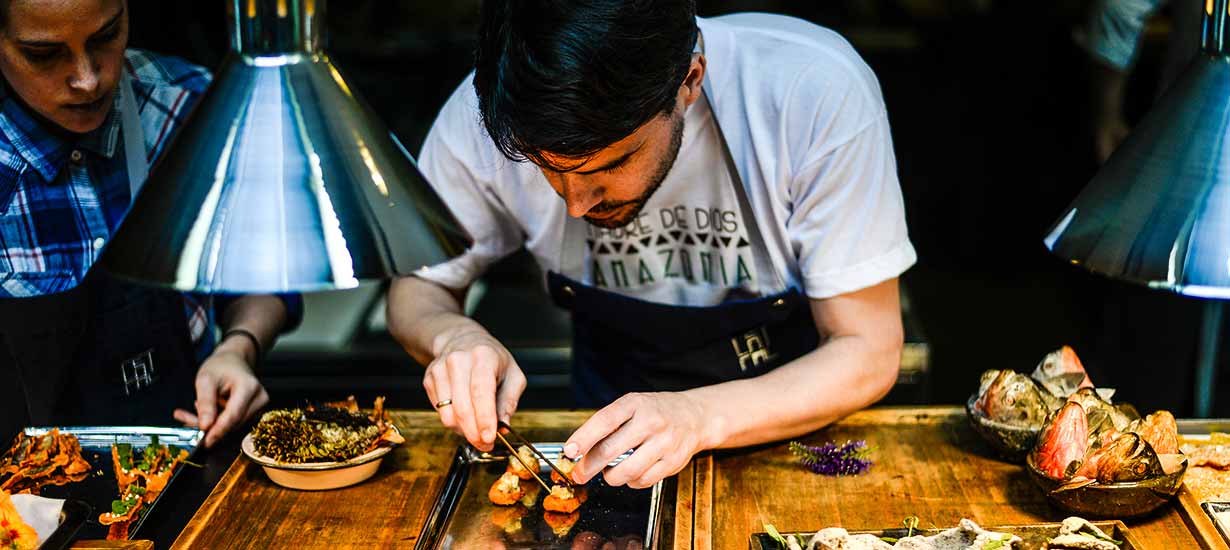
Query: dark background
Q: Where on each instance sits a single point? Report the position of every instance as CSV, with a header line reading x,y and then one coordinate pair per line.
x,y
990,122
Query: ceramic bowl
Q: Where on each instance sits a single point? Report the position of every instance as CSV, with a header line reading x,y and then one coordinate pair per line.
x,y
1011,442
317,476
1111,501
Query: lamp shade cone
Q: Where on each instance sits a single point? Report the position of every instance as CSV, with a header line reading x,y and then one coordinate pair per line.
x,y
1158,212
281,179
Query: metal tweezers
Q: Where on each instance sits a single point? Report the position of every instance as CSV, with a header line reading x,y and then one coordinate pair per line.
x,y
501,426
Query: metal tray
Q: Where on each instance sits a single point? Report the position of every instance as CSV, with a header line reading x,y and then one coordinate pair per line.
x,y
73,515
463,516
1198,515
1035,535
99,489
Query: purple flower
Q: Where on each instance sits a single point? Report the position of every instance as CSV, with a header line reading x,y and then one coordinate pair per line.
x,y
848,459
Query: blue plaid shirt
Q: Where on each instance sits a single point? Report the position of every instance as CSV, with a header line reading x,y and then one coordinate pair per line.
x,y
61,200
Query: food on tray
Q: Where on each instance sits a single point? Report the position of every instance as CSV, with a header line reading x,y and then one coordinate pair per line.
x,y
531,491
565,465
506,490
15,534
1091,441
141,477
561,523
35,461
564,499
332,432
1208,476
1015,399
1078,534
508,519
518,467
966,536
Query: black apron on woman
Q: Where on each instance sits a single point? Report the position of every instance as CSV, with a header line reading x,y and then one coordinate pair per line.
x,y
106,352
623,344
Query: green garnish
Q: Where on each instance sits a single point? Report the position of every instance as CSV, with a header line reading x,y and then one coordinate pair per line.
x,y
773,534
1099,536
124,450
890,540
122,506
910,523
136,490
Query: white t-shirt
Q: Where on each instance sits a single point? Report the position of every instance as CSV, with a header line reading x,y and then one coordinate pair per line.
x,y
808,131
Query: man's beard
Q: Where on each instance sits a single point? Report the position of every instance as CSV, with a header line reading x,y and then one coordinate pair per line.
x,y
638,203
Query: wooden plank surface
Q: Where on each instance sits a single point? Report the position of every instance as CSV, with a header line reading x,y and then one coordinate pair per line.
x,y
1199,522
246,510
928,463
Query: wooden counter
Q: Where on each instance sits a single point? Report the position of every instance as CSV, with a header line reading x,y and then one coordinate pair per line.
x,y
929,463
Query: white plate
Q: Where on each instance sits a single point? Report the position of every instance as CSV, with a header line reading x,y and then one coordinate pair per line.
x,y
317,476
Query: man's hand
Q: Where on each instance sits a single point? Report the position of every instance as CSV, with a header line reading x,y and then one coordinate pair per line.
x,y
481,379
665,428
224,380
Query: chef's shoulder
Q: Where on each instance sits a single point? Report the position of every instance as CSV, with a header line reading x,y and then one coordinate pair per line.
x,y
458,136
166,72
816,85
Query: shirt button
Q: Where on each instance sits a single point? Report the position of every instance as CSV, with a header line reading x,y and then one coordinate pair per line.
x,y
75,156
99,242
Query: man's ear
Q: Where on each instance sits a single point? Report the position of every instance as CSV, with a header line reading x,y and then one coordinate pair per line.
x,y
690,90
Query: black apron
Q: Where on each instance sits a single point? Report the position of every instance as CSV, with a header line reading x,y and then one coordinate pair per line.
x,y
623,344
106,352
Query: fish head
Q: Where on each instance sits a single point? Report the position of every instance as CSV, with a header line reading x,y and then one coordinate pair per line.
x,y
1063,440
1014,399
1127,458
1159,430
1062,373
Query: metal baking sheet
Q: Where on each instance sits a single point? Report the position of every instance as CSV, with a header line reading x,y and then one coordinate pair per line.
x,y
1034,536
74,514
100,488
463,516
1219,513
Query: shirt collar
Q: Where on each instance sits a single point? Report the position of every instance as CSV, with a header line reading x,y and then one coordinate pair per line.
x,y
47,151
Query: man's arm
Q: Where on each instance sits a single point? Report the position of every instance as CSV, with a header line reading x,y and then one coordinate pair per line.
x,y
465,364
855,366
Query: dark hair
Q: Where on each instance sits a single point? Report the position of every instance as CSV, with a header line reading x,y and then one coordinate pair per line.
x,y
571,77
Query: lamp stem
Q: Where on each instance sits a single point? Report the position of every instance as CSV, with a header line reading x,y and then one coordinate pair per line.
x,y
275,27
1213,30
1206,357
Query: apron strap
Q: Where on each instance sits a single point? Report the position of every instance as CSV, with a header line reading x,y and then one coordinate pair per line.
x,y
134,137
760,250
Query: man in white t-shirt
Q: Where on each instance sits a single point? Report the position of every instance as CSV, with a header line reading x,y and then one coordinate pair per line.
x,y
728,241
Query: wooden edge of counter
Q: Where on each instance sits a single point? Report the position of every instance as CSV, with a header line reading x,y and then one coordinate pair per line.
x,y
1198,521
203,514
113,545
684,497
702,521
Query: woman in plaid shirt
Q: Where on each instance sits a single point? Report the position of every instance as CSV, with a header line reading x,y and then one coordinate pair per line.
x,y
80,121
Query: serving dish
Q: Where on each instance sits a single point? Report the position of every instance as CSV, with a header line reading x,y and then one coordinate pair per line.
x,y
1034,535
318,476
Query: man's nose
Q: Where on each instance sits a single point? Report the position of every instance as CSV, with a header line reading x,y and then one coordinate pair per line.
x,y
579,197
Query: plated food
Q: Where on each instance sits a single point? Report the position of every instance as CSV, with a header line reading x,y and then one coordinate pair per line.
x,y
332,432
141,475
321,447
35,461
1010,408
1099,459
1073,534
1208,474
15,533
518,487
